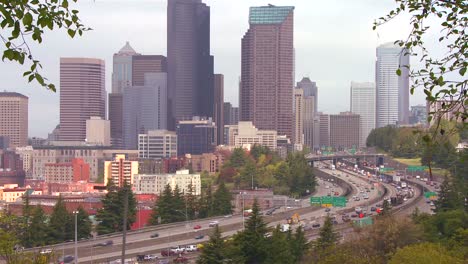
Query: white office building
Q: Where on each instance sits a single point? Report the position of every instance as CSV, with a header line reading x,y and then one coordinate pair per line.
x,y
157,144
245,135
155,183
392,91
363,104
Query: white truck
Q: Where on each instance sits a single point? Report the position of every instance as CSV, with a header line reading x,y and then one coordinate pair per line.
x,y
285,227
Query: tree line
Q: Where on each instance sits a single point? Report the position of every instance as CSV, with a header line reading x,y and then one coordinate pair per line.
x,y
263,168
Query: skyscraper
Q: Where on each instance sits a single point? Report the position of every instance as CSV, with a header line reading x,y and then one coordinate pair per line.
x,y
142,64
392,91
298,116
344,130
218,105
267,69
14,118
144,108
190,65
310,89
363,104
196,136
82,95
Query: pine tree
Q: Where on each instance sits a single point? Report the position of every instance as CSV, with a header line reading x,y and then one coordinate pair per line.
x,y
327,236
84,224
178,206
252,242
385,208
222,200
39,226
213,251
162,208
110,216
279,249
191,203
449,198
60,224
298,244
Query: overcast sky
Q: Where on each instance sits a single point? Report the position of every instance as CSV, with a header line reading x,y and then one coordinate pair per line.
x,y
334,44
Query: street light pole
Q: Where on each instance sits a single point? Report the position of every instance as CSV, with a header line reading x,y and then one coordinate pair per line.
x,y
243,212
124,233
76,236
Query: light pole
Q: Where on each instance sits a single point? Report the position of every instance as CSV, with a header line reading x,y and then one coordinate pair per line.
x,y
75,213
243,212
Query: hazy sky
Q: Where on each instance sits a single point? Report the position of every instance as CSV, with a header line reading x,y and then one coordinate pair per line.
x,y
334,44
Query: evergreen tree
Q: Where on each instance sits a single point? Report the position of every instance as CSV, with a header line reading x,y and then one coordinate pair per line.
x,y
279,249
162,208
178,206
251,242
213,251
222,200
27,214
60,224
247,175
84,224
298,244
110,216
39,228
238,158
385,208
191,202
327,236
449,198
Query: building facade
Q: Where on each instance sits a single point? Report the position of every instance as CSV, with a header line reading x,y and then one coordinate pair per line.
x,y
143,64
70,172
298,116
26,155
363,104
209,162
82,95
218,105
144,108
120,171
155,184
418,115
267,69
196,136
324,130
344,130
310,90
14,118
157,144
245,134
190,65
392,91
98,131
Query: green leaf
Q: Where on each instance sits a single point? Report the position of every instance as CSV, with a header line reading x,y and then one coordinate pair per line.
x,y
39,78
65,4
27,19
398,72
462,71
71,32
31,77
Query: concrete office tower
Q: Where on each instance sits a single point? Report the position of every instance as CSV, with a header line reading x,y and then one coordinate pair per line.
x,y
82,95
231,114
121,77
190,65
142,64
267,80
324,130
298,116
98,131
308,121
219,107
144,108
363,104
120,171
344,130
14,118
392,91
196,136
157,144
310,89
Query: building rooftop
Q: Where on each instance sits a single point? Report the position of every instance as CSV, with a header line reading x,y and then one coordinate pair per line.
x,y
269,14
127,50
12,94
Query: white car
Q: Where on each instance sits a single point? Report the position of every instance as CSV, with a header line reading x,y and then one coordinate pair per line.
x,y
178,249
46,251
213,223
191,248
151,257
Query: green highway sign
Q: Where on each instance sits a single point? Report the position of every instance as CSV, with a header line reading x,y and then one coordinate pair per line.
x,y
412,168
339,201
386,169
327,200
363,221
316,200
430,195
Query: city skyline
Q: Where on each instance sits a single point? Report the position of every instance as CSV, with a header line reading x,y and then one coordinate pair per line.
x,y
319,58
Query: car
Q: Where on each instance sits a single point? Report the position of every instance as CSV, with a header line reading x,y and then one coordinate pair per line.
x,y
151,257
154,235
104,244
178,249
373,209
354,215
327,209
181,259
315,225
213,223
163,261
227,216
167,253
66,259
199,236
334,222
18,248
191,248
197,227
45,251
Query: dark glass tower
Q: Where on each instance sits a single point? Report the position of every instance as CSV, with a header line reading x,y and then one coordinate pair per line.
x,y
190,65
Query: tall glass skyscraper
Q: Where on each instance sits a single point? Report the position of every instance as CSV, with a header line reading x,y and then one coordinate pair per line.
x,y
392,91
363,104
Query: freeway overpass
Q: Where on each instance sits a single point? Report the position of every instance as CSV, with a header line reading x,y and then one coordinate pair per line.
x,y
377,159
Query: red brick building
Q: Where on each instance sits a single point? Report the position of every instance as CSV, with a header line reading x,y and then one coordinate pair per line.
x,y
68,172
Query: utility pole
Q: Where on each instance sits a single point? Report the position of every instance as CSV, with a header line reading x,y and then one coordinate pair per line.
x,y
76,236
124,237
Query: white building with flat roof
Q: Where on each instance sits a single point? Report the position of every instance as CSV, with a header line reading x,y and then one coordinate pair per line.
x,y
157,144
98,131
363,104
155,183
245,134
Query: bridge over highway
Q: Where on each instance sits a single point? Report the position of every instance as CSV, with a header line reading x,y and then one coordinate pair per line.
x,y
378,159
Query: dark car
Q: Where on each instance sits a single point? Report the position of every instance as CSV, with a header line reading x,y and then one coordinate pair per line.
x,y
199,236
315,225
167,253
154,235
354,215
373,209
66,259
327,209
163,261
104,244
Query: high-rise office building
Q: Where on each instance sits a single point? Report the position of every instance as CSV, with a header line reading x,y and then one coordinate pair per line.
x,y
122,74
344,130
418,115
324,130
82,95
267,71
14,118
231,114
189,63
392,91
196,136
157,144
298,116
219,107
142,64
144,108
308,121
120,171
310,90
363,104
